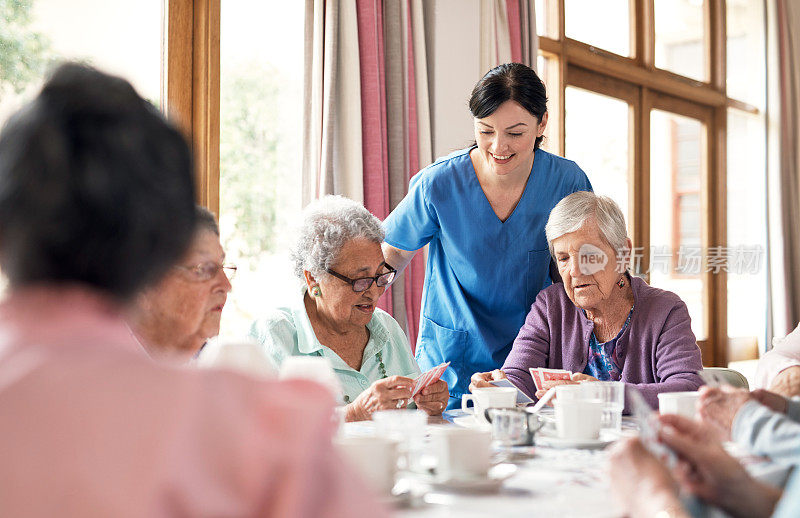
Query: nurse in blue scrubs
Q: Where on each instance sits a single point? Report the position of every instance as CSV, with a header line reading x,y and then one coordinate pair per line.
x,y
482,210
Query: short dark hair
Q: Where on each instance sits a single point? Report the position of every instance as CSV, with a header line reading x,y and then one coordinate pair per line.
x,y
509,82
205,220
95,187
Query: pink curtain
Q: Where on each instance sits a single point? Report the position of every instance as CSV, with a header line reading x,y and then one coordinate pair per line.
x,y
391,49
508,33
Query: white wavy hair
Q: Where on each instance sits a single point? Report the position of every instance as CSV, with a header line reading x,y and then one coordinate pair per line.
x,y
569,214
329,223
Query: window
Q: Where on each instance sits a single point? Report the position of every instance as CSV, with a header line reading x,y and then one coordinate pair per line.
x,y
123,38
688,93
261,62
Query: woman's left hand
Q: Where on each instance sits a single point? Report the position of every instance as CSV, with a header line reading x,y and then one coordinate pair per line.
x,y
433,398
547,385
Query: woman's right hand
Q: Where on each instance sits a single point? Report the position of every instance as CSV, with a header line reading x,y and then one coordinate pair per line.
x,y
482,379
385,394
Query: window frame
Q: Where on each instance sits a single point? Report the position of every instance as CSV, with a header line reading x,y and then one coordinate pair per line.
x,y
644,87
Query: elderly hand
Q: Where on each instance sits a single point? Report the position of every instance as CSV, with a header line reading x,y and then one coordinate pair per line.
x,y
787,382
433,398
384,394
581,377
482,379
640,482
717,407
771,400
547,385
706,470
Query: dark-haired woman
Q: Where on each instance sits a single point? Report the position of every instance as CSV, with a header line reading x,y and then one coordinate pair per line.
x,y
482,210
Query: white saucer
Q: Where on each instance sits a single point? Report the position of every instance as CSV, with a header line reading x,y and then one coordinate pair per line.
x,y
469,421
488,484
550,441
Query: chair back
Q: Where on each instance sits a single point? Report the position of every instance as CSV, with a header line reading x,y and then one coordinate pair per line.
x,y
731,376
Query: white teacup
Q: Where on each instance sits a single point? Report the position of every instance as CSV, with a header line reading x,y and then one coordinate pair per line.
x,y
680,403
489,397
408,428
374,458
462,453
578,419
314,368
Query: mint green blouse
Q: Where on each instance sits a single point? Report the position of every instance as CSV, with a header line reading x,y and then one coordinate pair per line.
x,y
287,332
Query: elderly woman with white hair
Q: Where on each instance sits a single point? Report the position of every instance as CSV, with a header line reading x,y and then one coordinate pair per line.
x,y
601,323
339,259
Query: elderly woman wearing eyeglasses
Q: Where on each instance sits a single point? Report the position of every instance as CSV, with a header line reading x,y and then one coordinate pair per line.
x,y
174,318
338,256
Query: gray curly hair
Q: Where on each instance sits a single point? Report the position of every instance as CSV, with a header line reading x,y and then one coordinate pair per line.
x,y
569,214
329,223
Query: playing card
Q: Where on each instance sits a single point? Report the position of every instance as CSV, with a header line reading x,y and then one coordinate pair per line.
x,y
649,427
428,378
540,375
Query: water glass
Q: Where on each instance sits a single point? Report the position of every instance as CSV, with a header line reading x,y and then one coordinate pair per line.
x,y
612,393
408,428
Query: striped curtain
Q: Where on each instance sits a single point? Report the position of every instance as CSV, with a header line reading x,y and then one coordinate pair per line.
x,y
784,115
366,115
395,125
508,33
332,155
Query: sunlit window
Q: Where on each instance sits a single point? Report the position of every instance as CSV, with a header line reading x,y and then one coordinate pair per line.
x,y
119,37
677,166
680,37
261,61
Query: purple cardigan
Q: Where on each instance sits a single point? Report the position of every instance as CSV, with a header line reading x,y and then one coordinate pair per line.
x,y
657,352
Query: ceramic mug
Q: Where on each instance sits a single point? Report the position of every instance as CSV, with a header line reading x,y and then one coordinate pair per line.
x,y
462,453
489,397
374,458
680,403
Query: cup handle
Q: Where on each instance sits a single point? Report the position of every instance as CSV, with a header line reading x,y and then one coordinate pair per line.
x,y
466,398
487,414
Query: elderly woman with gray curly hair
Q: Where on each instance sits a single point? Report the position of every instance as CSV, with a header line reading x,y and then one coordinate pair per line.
x,y
601,323
339,259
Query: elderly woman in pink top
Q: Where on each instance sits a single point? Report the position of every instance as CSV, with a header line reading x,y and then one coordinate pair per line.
x,y
96,200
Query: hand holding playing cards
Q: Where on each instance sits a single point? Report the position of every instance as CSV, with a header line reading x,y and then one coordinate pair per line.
x,y
640,482
433,398
717,407
384,394
547,385
482,379
706,470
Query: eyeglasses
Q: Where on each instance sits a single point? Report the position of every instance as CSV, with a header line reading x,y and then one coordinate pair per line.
x,y
364,283
205,271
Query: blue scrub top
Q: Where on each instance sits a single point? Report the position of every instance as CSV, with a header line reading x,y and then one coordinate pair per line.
x,y
482,274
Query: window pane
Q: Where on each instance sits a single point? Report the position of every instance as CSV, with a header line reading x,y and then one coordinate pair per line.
x,y
747,275
680,37
603,154
119,37
603,24
547,69
261,60
676,222
746,76
546,18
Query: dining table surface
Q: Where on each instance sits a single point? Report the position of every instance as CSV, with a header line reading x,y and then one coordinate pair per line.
x,y
538,480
